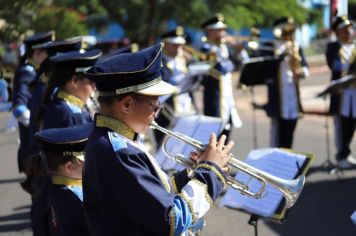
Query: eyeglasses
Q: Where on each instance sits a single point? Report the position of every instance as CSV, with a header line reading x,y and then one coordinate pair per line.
x,y
154,107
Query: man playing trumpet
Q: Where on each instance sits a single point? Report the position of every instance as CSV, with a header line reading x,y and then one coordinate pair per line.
x,y
340,55
218,92
175,72
284,106
125,191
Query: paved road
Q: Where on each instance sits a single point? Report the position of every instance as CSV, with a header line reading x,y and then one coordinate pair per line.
x,y
324,208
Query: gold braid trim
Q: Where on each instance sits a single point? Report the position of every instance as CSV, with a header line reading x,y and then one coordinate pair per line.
x,y
207,196
213,169
215,73
190,206
62,180
115,125
172,222
70,98
163,180
174,185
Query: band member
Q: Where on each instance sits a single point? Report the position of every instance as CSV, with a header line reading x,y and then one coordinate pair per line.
x,y
218,92
44,72
25,75
340,55
254,42
74,89
125,191
284,106
62,159
175,72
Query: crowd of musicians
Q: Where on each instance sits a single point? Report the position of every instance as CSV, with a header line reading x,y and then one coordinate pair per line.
x,y
82,115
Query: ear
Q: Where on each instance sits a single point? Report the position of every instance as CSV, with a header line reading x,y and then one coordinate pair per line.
x,y
68,167
74,81
126,103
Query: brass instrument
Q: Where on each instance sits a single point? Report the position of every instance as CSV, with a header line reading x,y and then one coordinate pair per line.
x,y
291,189
295,60
210,57
248,42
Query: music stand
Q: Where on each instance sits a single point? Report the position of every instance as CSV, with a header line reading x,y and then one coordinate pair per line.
x,y
198,127
257,71
336,86
282,163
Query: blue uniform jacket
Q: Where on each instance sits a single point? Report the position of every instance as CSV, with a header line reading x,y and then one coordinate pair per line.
x,y
125,195
273,106
65,112
24,77
334,63
212,84
66,216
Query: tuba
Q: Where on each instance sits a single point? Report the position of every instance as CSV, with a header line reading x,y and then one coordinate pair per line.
x,y
291,189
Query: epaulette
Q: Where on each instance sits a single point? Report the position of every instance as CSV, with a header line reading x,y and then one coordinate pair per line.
x,y
206,47
116,141
29,68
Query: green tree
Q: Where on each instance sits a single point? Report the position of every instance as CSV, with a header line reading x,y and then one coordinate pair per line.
x,y
66,17
144,20
65,22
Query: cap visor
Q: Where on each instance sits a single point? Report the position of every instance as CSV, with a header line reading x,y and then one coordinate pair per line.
x,y
162,88
218,25
80,157
175,40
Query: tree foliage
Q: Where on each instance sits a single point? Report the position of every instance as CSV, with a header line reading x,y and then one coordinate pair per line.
x,y
65,22
66,17
143,20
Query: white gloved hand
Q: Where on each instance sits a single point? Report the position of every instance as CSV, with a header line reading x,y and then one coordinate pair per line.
x,y
24,118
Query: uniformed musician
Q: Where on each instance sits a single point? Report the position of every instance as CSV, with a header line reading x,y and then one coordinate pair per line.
x,y
340,55
218,91
41,82
67,108
175,72
24,77
284,106
125,191
62,158
44,72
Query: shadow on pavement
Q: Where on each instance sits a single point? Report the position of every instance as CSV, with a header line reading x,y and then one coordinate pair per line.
x,y
324,208
14,180
17,221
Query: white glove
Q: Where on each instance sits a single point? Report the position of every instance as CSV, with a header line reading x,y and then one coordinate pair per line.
x,y
24,118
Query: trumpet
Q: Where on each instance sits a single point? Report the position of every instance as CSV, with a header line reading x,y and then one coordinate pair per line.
x,y
210,57
290,189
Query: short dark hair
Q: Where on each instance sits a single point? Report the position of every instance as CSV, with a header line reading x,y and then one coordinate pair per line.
x,y
110,99
54,160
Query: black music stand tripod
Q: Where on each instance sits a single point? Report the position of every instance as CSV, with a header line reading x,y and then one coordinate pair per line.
x,y
335,87
257,71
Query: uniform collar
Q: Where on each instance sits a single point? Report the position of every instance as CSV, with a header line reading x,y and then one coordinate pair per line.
x,y
34,63
71,99
115,125
62,180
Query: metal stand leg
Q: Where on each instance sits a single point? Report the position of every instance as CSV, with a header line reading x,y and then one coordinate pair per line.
x,y
253,221
328,165
254,125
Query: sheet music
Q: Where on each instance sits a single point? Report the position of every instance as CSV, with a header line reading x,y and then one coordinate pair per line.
x,y
198,68
196,127
274,161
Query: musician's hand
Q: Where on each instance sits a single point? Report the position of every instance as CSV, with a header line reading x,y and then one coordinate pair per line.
x,y
195,156
217,152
